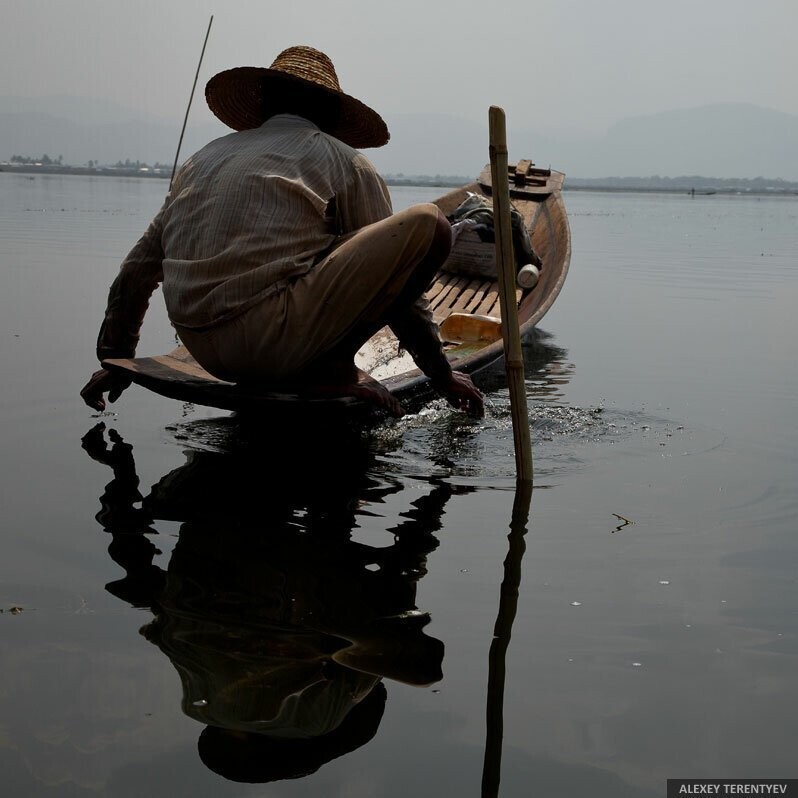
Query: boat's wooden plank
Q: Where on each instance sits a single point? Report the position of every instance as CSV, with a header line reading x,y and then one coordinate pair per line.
x,y
495,308
444,308
179,367
478,298
182,378
458,286
543,182
441,281
453,286
491,297
180,363
466,296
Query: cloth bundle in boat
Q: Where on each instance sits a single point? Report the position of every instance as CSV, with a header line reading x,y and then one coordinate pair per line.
x,y
473,252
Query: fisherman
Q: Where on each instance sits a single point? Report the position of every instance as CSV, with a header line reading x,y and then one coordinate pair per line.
x,y
278,250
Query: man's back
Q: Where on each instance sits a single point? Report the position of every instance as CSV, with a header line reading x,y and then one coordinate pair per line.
x,y
244,246
250,210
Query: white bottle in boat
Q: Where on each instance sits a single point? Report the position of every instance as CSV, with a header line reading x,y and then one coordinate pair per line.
x,y
528,276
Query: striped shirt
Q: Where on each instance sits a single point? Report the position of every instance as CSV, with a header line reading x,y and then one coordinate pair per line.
x,y
246,214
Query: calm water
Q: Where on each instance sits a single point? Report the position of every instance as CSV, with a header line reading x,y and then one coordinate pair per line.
x,y
177,574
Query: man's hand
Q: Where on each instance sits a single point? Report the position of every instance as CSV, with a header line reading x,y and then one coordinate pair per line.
x,y
460,392
103,381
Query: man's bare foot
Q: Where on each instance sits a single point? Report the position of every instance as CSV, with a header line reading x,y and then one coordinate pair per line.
x,y
349,380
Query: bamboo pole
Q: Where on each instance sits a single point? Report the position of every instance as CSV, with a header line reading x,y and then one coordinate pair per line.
x,y
502,632
505,264
190,98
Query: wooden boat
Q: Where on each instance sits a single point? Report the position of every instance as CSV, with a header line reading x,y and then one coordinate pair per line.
x,y
454,295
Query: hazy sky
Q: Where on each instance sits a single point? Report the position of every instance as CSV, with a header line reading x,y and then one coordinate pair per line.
x,y
560,65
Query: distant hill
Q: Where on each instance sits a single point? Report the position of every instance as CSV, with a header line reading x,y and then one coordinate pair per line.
x,y
725,140
84,129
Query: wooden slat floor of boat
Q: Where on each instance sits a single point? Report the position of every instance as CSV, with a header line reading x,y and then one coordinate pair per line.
x,y
466,296
441,281
479,297
449,293
444,307
469,295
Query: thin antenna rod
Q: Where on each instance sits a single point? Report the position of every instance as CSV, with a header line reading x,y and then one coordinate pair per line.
x,y
191,97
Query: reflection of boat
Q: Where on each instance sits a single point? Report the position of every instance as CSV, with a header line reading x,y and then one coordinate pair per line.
x,y
280,625
546,367
535,194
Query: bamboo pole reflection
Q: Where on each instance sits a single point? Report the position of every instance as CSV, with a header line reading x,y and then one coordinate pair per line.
x,y
502,632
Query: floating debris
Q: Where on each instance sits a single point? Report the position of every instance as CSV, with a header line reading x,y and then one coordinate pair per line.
x,y
626,522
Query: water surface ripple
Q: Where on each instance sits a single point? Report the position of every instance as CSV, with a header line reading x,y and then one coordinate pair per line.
x,y
192,604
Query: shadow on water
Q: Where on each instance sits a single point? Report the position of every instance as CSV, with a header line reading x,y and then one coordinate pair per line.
x,y
280,626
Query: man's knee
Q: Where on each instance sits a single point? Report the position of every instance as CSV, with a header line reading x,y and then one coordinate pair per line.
x,y
434,226
426,216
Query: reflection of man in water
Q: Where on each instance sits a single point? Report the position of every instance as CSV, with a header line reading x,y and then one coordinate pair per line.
x,y
281,629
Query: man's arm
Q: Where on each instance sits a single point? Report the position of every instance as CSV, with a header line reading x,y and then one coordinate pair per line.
x,y
128,299
418,333
129,296
367,201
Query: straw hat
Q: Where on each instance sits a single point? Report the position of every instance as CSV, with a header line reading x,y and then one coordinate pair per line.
x,y
236,96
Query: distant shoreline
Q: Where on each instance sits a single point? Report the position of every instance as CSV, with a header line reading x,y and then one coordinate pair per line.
x,y
702,186
96,171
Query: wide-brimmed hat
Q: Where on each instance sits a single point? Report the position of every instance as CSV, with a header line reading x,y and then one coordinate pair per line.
x,y
236,96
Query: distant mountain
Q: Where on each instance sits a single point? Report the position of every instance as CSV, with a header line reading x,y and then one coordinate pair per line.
x,y
437,144
432,144
725,140
85,110
83,129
